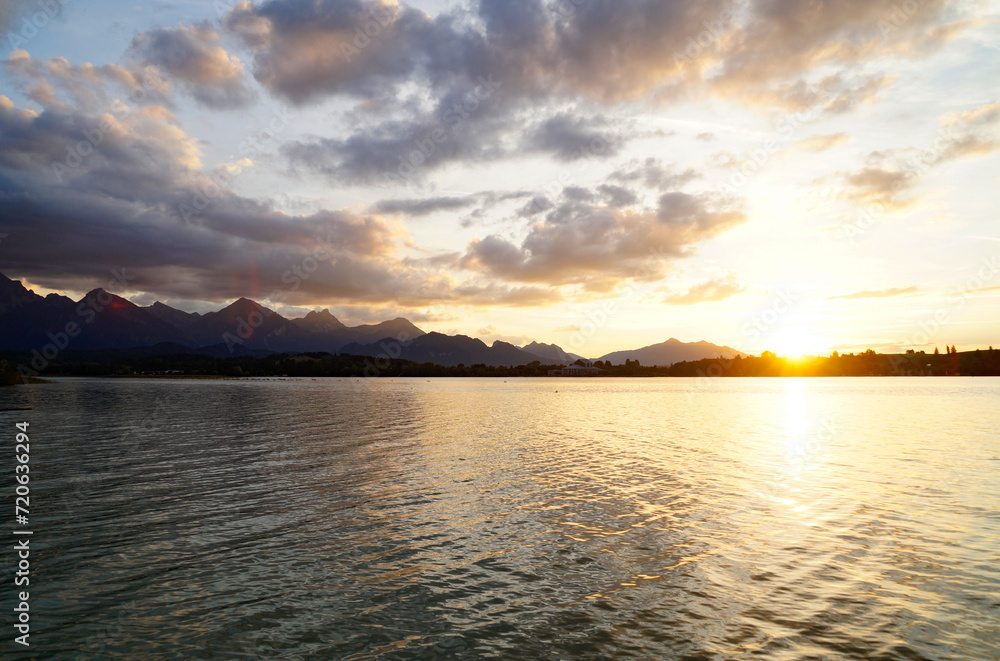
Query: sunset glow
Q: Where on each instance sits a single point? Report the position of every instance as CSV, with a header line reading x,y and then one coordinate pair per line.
x,y
760,179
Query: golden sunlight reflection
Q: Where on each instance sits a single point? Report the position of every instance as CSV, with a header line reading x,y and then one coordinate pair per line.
x,y
800,431
772,503
797,419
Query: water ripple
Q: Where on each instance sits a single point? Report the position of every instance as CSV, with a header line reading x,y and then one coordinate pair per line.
x,y
377,519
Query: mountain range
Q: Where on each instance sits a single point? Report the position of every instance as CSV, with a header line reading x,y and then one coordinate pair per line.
x,y
672,351
101,320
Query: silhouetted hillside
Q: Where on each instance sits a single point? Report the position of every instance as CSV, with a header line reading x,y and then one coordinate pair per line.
x,y
670,352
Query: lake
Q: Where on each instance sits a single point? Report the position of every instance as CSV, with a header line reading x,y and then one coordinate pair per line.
x,y
527,518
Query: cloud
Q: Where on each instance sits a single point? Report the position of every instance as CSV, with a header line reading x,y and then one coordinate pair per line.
x,y
713,290
12,11
820,143
890,173
423,207
309,49
304,50
769,57
568,138
490,334
653,174
879,293
192,56
403,152
877,184
588,244
9,12
577,56
56,83
617,196
118,207
605,52
973,132
493,293
353,315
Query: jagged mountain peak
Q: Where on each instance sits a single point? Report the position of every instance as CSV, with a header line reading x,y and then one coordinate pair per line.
x,y
319,321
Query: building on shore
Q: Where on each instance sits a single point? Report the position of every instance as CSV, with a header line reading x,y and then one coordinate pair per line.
x,y
577,370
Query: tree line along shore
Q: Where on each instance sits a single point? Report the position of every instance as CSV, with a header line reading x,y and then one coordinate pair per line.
x,y
981,362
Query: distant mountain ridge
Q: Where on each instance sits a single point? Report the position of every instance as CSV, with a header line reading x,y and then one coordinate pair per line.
x,y
551,353
448,350
319,322
672,351
103,321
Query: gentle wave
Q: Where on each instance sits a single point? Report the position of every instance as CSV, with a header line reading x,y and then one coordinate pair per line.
x,y
378,519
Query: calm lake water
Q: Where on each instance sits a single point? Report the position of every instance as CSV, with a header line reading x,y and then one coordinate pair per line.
x,y
524,519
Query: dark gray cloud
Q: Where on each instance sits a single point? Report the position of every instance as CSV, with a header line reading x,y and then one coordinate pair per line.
x,y
568,137
26,17
473,126
578,193
538,204
118,206
617,196
653,174
597,247
9,12
307,49
546,55
192,56
464,126
605,51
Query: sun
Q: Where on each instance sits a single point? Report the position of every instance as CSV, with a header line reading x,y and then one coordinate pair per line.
x,y
796,342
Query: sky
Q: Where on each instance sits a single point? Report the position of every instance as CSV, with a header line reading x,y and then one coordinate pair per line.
x,y
800,177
